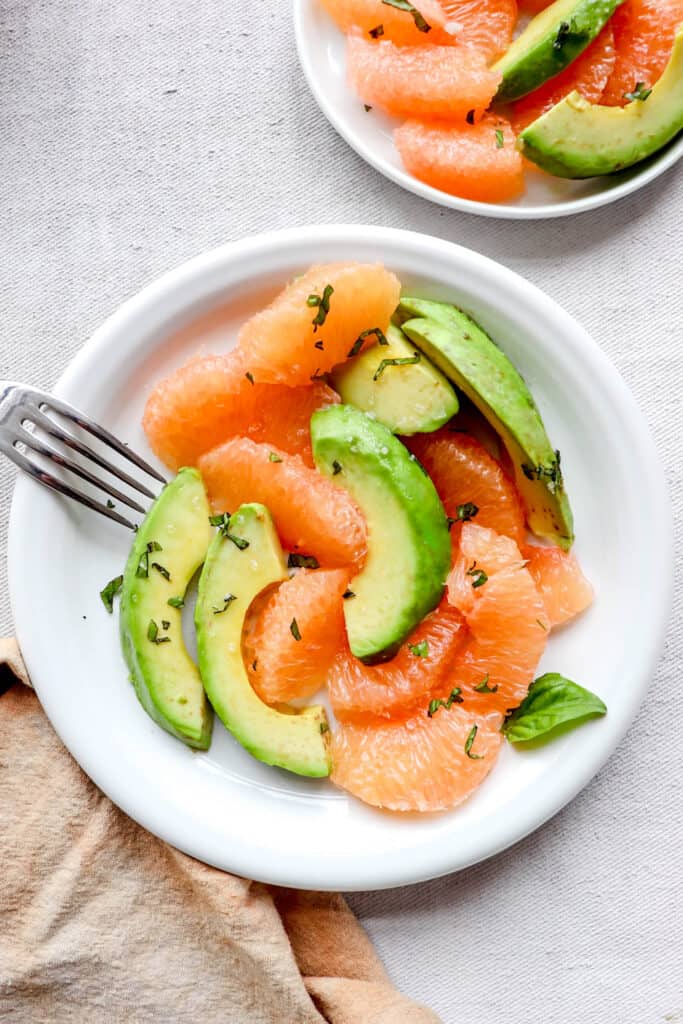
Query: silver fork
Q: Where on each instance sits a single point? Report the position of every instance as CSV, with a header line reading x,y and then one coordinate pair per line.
x,y
26,419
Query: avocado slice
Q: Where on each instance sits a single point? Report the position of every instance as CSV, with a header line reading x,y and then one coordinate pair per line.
x,y
408,397
169,547
409,547
244,558
577,139
466,354
549,43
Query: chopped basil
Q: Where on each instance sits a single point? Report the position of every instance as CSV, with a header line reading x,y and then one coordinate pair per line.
x,y
323,304
420,650
153,634
542,625
318,344
466,511
110,503
500,139
347,594
483,686
239,542
453,698
222,521
358,343
552,701
377,31
142,571
162,570
165,624
254,664
479,577
176,602
552,473
318,375
227,601
109,592
404,5
468,744
639,93
368,108
336,467
563,31
274,457
469,117
249,377
303,562
324,727
405,361
294,629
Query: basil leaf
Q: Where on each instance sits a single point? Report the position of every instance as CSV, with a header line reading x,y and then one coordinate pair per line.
x,y
109,592
552,701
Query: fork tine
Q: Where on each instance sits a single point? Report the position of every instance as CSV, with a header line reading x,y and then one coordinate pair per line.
x,y
54,484
58,432
100,433
38,446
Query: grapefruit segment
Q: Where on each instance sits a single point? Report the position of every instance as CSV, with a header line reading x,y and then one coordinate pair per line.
x,y
643,35
311,515
562,585
463,472
588,74
475,161
397,26
486,25
417,763
506,617
210,399
290,643
418,669
283,344
420,81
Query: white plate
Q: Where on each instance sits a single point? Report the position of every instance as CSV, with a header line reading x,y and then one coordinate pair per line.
x,y
225,808
321,49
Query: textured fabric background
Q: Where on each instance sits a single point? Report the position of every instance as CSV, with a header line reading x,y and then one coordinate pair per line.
x,y
135,135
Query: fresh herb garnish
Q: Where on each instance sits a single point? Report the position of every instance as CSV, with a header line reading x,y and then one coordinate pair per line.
x,y
274,457
318,344
358,343
249,376
468,744
222,521
110,503
639,93
552,701
324,727
466,511
347,594
368,108
323,304
162,570
239,542
377,31
254,664
153,634
318,375
500,139
453,698
420,650
109,592
294,629
302,562
552,473
479,577
142,571
227,601
336,467
165,624
176,602
542,625
483,686
405,361
404,5
469,117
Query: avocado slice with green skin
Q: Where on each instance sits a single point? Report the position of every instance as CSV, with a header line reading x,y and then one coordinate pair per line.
x,y
169,547
244,558
577,139
409,548
466,354
549,43
407,397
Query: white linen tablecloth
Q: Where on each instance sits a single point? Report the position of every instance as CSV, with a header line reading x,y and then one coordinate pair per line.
x,y
135,135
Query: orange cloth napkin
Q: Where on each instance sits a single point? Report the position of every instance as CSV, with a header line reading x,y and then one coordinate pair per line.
x,y
101,922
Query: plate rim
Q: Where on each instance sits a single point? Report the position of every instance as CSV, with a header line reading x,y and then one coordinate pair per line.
x,y
659,602
503,211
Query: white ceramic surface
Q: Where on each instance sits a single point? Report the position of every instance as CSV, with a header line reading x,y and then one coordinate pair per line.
x,y
321,48
225,808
